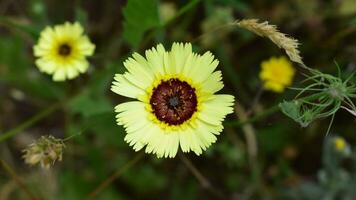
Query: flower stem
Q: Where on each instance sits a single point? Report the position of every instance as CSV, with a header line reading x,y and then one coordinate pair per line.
x,y
204,182
29,122
250,135
260,116
114,176
17,179
183,10
255,100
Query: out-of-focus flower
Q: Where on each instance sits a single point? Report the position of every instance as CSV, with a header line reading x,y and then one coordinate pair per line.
x,y
167,11
341,145
44,151
276,74
62,51
176,102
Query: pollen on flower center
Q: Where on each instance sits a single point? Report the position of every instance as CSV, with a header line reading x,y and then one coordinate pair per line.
x,y
173,101
64,50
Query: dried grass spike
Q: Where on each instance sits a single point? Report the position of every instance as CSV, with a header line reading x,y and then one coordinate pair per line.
x,y
290,45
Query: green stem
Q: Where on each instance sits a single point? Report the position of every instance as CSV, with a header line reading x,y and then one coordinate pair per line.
x,y
114,176
260,116
29,122
182,11
352,90
330,124
204,182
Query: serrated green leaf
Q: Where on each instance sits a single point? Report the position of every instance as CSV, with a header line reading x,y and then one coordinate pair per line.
x,y
140,16
293,109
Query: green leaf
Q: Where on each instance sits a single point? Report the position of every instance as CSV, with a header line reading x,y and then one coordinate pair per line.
x,y
296,111
105,128
13,55
291,109
81,16
72,185
138,179
273,139
30,29
88,106
101,79
140,16
187,191
18,70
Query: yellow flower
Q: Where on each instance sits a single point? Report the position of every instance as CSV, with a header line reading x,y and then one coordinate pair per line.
x,y
175,104
340,144
276,74
62,51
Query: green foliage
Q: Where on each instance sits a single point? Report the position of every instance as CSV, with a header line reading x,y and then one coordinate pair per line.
x,y
106,129
30,30
139,178
327,94
86,104
73,186
19,71
273,139
334,181
140,16
292,110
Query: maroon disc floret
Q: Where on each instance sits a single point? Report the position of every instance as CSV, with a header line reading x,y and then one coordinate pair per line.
x,y
173,101
64,50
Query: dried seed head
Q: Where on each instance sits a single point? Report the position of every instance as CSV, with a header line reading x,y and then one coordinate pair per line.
x,y
290,45
45,151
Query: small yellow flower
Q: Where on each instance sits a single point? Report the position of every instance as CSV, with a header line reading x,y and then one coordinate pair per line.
x,y
62,51
276,74
175,102
45,151
340,144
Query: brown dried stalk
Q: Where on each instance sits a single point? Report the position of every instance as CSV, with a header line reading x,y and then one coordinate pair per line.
x,y
290,45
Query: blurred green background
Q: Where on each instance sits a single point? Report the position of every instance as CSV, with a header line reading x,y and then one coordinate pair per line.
x,y
291,163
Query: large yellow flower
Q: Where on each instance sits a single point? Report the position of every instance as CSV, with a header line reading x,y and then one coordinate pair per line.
x,y
176,105
276,74
62,51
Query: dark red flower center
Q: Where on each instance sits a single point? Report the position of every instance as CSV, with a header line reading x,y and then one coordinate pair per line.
x,y
173,101
64,50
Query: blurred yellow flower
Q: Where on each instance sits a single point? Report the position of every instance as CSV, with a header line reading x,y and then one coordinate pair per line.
x,y
340,144
62,50
276,74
